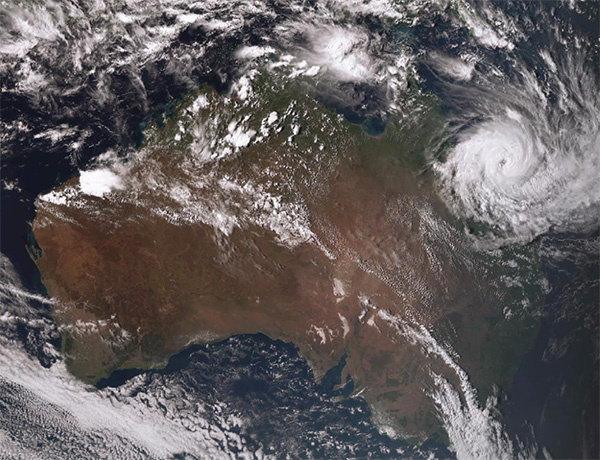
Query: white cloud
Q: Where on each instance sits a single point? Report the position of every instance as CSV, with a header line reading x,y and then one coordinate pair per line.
x,y
98,182
456,68
343,51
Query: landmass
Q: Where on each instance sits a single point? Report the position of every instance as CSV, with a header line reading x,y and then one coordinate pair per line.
x,y
263,211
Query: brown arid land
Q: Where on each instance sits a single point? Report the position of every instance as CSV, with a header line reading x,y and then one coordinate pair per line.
x,y
275,215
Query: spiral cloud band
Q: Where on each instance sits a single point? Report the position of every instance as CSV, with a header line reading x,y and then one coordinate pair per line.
x,y
532,165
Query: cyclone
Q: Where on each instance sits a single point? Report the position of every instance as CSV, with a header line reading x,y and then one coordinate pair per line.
x,y
526,163
505,174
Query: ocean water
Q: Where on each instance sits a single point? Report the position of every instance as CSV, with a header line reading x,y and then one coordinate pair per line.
x,y
552,404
